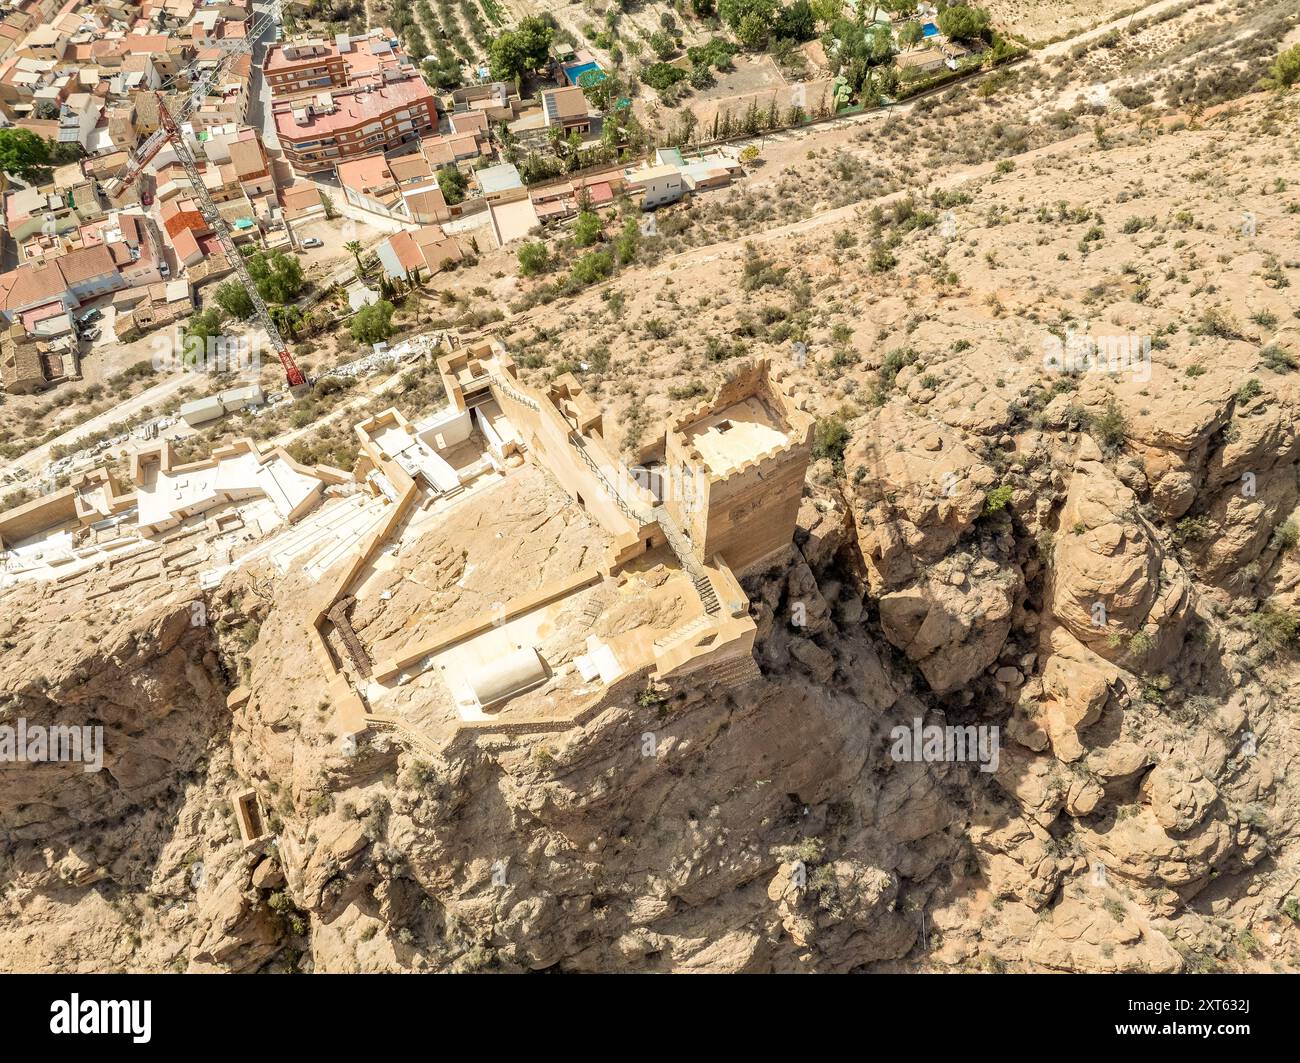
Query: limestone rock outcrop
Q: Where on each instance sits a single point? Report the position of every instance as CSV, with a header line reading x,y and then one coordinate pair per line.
x,y
953,622
1100,933
1112,585
921,488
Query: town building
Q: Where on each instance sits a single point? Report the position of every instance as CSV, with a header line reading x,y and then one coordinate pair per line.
x,y
319,132
404,188
567,109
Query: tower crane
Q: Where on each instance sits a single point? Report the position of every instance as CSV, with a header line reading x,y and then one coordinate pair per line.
x,y
171,117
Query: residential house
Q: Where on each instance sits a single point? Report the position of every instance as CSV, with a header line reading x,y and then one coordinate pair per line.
x,y
38,211
500,182
498,101
148,262
302,203
453,149
715,168
10,36
227,101
567,109
69,280
310,64
122,133
44,42
563,199
21,79
659,185
29,363
403,188
919,62
413,255
78,118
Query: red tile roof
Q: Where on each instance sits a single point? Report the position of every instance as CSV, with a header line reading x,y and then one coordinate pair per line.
x,y
354,108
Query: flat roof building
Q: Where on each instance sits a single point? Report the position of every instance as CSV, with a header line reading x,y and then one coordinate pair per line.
x,y
317,133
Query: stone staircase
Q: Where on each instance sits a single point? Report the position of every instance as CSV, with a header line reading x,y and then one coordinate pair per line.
x,y
735,673
403,733
708,596
684,631
594,607
627,509
677,539
681,546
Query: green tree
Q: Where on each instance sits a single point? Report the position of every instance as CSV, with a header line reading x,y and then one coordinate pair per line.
x,y
331,211
857,48
661,76
278,277
234,299
518,52
373,323
625,247
442,73
830,438
962,23
587,229
796,22
827,11
701,77
200,330
355,248
23,153
593,266
453,184
533,259
753,31
662,45
290,320
910,35
733,12
1285,70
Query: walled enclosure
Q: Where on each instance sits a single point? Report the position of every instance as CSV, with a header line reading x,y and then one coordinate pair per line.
x,y
745,501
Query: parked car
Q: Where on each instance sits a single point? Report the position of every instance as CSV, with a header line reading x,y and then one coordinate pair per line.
x,y
313,241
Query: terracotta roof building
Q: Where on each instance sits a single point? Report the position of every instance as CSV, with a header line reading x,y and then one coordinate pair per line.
x,y
317,134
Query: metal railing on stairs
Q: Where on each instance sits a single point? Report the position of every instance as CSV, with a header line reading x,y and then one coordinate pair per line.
x,y
629,511
511,393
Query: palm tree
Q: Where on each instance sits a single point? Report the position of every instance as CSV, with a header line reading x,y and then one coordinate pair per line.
x,y
355,247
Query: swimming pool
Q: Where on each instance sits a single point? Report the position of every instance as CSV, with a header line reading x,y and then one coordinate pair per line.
x,y
574,72
930,30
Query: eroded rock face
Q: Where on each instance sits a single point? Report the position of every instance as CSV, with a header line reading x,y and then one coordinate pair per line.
x,y
237,931
1138,847
1074,690
1100,933
1017,857
921,489
952,623
845,916
1250,487
144,681
1112,586
1171,435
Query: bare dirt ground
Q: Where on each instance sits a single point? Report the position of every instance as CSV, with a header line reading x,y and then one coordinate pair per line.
x,y
1039,21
